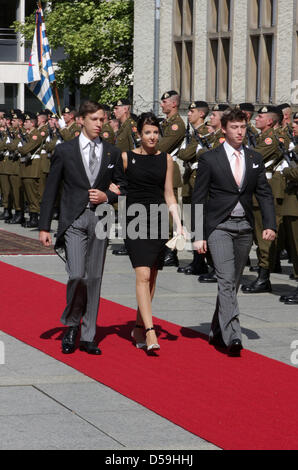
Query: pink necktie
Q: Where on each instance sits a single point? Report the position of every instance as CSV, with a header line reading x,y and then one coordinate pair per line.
x,y
238,167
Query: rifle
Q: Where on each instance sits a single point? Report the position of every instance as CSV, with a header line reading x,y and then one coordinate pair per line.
x,y
251,138
289,155
25,158
202,140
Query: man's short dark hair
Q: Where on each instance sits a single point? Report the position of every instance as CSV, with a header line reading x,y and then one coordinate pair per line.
x,y
232,115
89,107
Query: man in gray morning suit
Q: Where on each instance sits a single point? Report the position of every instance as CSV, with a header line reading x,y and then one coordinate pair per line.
x,y
227,177
87,166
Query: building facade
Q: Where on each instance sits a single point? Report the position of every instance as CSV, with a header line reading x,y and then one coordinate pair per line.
x,y
14,57
221,51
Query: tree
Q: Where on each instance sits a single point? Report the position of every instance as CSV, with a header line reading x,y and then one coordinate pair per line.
x,y
97,37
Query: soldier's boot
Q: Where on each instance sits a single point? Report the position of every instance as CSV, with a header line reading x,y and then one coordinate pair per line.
x,y
261,284
6,214
292,299
18,218
197,266
171,258
122,251
32,222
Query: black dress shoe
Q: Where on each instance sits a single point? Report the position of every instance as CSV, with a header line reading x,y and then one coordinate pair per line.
x,y
234,348
292,300
171,258
261,284
209,277
90,348
69,340
217,341
193,269
120,251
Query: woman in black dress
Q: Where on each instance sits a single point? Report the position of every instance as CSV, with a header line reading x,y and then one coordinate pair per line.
x,y
149,173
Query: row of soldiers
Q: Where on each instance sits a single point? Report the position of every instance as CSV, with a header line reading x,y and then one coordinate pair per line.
x,y
27,142
273,133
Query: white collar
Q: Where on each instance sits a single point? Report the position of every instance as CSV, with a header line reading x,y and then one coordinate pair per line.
x,y
84,141
230,150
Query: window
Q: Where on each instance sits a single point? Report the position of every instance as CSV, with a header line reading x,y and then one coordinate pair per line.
x,y
261,51
219,37
183,56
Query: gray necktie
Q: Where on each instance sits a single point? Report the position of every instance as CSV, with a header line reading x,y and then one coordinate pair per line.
x,y
92,157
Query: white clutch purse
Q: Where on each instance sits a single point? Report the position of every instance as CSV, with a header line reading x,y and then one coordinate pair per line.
x,y
178,242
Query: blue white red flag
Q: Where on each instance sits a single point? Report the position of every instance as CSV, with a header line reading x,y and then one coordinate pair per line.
x,y
40,71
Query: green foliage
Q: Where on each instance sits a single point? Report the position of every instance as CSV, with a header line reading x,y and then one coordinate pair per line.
x,y
97,37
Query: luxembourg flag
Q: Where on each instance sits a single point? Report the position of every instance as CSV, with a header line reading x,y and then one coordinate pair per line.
x,y
40,71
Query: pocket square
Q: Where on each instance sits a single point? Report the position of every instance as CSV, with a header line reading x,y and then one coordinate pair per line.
x,y
111,166
255,165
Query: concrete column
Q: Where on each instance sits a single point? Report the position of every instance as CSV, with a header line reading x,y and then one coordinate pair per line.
x,y
21,56
238,59
200,50
284,48
143,56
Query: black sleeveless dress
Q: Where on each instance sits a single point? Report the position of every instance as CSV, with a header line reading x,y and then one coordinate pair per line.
x,y
147,213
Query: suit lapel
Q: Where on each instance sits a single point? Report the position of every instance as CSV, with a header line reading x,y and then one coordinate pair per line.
x,y
225,166
79,158
248,167
105,160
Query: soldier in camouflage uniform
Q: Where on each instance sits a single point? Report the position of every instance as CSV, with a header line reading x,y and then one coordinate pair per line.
x,y
195,143
5,186
172,136
290,210
126,139
107,132
13,167
30,163
268,147
252,133
127,136
42,123
72,129
215,121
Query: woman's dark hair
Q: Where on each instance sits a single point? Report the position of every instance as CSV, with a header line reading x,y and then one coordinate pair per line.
x,y
147,118
89,107
232,115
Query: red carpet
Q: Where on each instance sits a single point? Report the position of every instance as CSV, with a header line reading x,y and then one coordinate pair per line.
x,y
235,403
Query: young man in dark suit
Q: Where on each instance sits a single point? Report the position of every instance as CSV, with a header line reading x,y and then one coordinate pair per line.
x,y
87,166
227,177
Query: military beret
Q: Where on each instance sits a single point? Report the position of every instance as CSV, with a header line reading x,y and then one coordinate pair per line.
x,y
295,115
67,110
43,112
220,107
54,116
269,109
17,114
247,107
122,102
198,104
28,115
283,106
106,107
168,94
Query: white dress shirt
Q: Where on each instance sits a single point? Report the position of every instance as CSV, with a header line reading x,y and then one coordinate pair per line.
x,y
85,147
238,210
